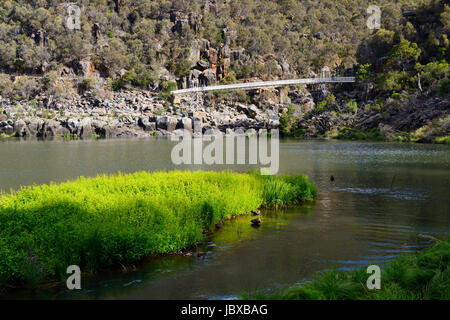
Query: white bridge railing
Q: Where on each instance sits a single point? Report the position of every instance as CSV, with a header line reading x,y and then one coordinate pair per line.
x,y
262,84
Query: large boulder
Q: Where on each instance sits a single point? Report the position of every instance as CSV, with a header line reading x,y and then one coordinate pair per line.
x,y
185,124
145,123
53,128
194,53
20,128
72,125
180,25
83,68
85,128
201,115
274,123
7,130
35,127
207,77
166,123
213,56
195,74
202,65
205,45
251,111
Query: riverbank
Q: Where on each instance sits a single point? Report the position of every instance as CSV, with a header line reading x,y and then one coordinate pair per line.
x,y
296,112
424,275
109,221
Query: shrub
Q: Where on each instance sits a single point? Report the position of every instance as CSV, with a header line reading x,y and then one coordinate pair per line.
x,y
444,86
351,105
166,88
354,134
25,88
443,140
88,84
6,85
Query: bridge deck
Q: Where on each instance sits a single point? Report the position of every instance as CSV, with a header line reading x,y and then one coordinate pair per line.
x,y
262,84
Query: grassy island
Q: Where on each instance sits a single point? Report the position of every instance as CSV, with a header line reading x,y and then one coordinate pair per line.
x,y
118,219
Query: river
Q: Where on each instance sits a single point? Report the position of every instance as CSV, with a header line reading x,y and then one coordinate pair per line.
x,y
384,195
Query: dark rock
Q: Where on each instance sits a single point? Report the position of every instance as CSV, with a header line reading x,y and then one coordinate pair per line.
x,y
83,68
52,128
20,128
256,222
7,130
180,26
166,123
85,128
186,124
35,127
202,65
207,77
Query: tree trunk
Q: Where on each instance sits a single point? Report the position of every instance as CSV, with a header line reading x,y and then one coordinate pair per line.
x,y
418,82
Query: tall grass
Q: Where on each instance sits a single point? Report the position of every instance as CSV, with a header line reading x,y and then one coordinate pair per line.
x,y
116,220
425,275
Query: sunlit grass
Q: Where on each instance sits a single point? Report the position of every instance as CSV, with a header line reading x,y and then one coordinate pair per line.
x,y
118,219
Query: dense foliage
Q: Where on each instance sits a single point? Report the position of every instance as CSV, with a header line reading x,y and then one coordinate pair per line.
x,y
116,220
425,275
281,38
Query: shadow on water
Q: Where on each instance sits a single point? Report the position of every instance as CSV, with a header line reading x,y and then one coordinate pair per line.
x,y
382,197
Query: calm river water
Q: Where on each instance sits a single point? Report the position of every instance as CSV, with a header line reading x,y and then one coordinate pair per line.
x,y
384,195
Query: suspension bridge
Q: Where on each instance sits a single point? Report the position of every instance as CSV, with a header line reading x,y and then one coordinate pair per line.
x,y
263,84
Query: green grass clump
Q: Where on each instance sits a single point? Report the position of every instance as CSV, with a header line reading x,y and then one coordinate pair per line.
x,y
116,220
425,275
443,140
347,133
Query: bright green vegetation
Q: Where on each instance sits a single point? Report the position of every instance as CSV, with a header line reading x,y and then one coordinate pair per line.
x,y
432,132
443,140
425,275
116,220
4,135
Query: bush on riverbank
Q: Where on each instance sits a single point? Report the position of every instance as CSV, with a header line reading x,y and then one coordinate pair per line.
x,y
116,220
347,133
425,275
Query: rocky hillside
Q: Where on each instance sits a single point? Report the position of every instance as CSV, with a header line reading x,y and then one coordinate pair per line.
x,y
140,43
109,69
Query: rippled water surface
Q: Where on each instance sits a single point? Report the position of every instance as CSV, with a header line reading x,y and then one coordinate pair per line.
x,y
384,195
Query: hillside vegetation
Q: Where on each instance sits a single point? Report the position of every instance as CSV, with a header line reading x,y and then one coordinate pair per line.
x,y
147,44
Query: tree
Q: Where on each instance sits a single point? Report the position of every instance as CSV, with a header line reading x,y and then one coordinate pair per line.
x,y
7,54
403,54
115,56
363,72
